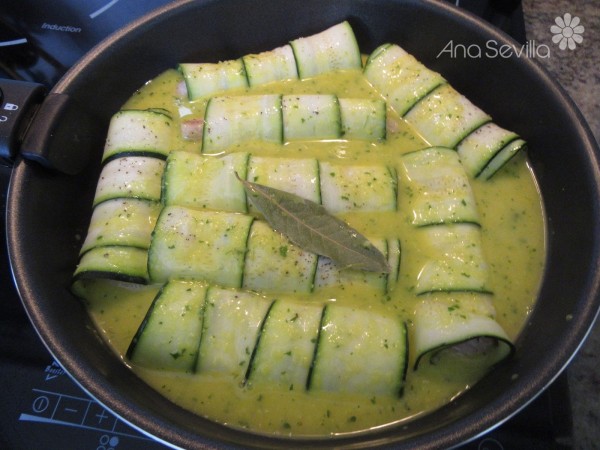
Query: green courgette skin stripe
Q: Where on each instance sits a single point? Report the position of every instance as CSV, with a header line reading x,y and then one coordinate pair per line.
x,y
195,328
120,263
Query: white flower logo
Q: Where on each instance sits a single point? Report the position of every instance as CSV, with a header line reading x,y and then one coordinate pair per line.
x,y
567,32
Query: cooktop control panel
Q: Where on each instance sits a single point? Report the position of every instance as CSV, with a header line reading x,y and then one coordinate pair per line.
x,y
17,105
40,40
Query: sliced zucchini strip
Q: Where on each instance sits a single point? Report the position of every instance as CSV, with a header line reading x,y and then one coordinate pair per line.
x,y
359,351
443,327
358,188
328,274
481,147
125,222
399,77
311,117
439,191
205,182
232,322
130,177
169,335
332,49
502,157
233,120
273,65
363,119
273,263
205,79
199,245
287,344
445,117
114,262
454,259
139,132
298,176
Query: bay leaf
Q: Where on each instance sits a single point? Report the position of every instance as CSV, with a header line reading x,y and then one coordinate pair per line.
x,y
308,225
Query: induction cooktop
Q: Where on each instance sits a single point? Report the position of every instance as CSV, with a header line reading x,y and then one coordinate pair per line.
x,y
42,407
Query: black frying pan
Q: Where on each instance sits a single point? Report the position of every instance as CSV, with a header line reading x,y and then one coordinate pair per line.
x,y
48,210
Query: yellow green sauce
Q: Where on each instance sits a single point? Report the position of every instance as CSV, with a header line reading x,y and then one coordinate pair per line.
x,y
513,243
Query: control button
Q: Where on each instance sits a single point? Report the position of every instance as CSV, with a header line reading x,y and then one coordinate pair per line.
x,y
17,105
